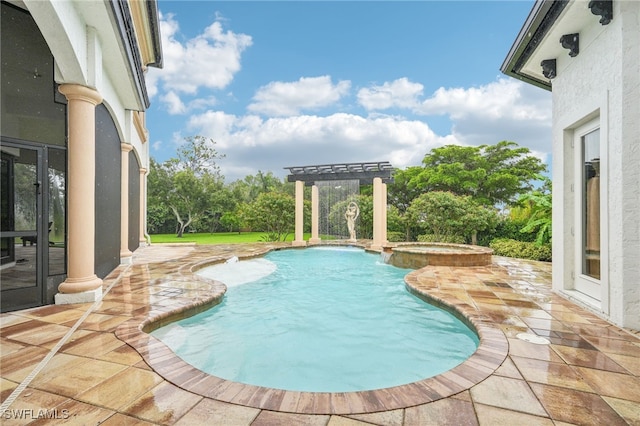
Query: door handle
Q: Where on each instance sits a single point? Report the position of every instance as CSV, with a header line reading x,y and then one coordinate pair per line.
x,y
38,185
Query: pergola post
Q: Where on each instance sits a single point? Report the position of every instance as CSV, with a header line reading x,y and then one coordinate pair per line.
x,y
383,201
299,216
315,215
377,214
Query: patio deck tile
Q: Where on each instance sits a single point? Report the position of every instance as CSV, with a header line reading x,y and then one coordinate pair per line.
x,y
119,419
589,374
507,393
70,375
494,416
444,412
384,418
551,373
576,407
164,404
121,389
212,412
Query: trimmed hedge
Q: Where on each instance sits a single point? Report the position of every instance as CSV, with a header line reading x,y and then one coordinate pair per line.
x,y
431,238
521,249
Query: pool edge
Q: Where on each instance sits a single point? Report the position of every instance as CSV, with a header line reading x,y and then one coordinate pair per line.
x,y
489,356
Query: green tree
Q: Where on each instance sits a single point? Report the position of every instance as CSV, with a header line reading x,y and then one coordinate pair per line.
x,y
540,219
491,174
187,185
231,221
248,189
271,212
160,219
403,189
445,214
190,198
198,154
400,193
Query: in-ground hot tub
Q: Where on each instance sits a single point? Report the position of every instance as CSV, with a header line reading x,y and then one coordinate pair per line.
x,y
419,255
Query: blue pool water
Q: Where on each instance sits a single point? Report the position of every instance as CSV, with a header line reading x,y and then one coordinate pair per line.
x,y
323,320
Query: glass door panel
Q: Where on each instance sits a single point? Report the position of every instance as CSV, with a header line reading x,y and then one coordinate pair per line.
x,y
57,173
21,200
589,203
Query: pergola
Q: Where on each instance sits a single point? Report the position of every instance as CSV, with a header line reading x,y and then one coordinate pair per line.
x,y
376,173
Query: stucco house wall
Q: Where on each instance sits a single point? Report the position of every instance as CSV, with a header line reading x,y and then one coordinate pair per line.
x,y
600,85
100,51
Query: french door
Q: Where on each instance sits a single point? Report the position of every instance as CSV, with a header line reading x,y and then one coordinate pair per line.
x,y
591,213
32,231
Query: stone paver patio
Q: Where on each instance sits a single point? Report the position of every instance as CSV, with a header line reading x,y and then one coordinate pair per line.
x,y
94,364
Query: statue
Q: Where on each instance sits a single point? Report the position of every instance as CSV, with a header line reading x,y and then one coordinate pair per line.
x,y
352,213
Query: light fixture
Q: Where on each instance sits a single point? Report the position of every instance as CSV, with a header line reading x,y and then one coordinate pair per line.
x,y
549,68
603,8
571,42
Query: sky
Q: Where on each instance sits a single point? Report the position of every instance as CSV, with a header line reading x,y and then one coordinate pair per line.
x,y
293,83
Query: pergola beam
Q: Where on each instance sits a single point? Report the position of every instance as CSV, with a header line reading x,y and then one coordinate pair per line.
x,y
363,172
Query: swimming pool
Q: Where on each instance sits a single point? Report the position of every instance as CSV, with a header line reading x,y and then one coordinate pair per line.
x,y
323,320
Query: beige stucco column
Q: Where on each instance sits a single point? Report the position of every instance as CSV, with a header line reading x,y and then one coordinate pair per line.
x,y
383,201
377,214
299,235
143,209
315,214
125,253
82,284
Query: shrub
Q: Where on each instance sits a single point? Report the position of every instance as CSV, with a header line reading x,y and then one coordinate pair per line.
x,y
395,237
432,238
521,249
507,228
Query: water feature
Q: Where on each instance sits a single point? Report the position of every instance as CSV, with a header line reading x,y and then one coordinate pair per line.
x,y
333,198
325,319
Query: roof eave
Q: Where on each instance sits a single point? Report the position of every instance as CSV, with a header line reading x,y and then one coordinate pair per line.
x,y
541,17
154,21
124,26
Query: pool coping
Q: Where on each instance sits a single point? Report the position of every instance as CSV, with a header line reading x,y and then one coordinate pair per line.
x,y
489,356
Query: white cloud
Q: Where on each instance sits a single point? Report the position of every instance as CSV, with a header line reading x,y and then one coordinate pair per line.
x,y
496,100
173,103
500,110
506,109
251,143
290,98
400,93
209,60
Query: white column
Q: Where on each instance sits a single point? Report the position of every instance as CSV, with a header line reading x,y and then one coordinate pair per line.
x,y
82,284
383,200
377,214
299,235
315,237
125,253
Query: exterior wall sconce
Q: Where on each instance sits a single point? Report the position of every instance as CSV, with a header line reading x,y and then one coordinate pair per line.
x,y
603,8
549,68
571,42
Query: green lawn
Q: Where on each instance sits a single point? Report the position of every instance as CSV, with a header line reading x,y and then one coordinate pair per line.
x,y
217,238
